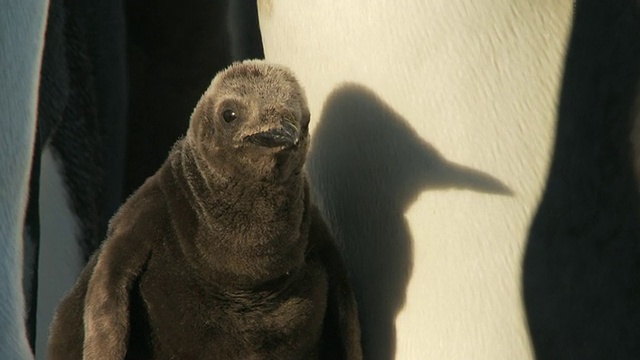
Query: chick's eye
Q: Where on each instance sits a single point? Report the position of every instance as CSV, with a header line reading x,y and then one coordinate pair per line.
x,y
229,115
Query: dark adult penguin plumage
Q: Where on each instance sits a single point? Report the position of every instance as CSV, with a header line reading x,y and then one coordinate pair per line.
x,y
220,254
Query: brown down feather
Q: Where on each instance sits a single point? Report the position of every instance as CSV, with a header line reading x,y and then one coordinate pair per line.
x,y
220,254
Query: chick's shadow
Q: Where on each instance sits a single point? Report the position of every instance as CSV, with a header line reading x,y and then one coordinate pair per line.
x,y
366,167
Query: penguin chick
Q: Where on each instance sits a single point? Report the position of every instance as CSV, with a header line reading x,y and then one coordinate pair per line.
x,y
220,254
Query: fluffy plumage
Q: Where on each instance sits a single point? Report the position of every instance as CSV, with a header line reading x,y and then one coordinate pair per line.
x,y
220,254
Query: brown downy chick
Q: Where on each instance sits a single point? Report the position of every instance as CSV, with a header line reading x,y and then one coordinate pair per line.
x,y
220,254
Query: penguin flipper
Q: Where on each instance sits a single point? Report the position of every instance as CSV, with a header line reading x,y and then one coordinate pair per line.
x,y
341,334
106,312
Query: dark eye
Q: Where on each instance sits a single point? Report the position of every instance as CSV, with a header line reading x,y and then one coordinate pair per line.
x,y
229,115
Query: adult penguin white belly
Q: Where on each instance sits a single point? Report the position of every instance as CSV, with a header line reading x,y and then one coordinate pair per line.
x,y
434,129
22,27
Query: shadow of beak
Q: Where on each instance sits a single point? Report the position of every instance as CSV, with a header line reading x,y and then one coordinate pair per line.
x,y
286,135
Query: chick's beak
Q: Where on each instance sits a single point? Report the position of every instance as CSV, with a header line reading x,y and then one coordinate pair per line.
x,y
285,134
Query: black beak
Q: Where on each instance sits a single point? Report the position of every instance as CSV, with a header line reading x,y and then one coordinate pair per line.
x,y
287,135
